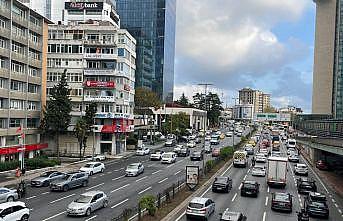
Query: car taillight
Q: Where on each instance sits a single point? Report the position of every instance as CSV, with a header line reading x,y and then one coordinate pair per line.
x,y
203,210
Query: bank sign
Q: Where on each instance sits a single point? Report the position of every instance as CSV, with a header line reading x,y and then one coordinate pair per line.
x,y
84,5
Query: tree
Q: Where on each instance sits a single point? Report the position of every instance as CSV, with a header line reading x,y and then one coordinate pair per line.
x,y
211,104
146,98
183,100
269,109
176,124
56,113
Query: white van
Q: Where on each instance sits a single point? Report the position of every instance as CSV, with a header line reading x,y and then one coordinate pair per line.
x,y
240,159
291,143
169,157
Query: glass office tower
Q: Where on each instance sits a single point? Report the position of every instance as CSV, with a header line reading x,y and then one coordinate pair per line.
x,y
152,23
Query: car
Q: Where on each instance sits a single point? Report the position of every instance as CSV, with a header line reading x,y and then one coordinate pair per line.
x,y
142,151
134,169
316,206
252,142
156,155
291,143
264,151
222,184
258,171
207,147
8,195
215,152
276,154
184,152
293,158
177,148
304,186
87,203
249,149
229,134
191,144
45,178
322,165
261,158
197,140
93,168
98,157
11,211
291,151
168,157
170,143
250,188
197,155
232,216
300,169
71,180
200,207
282,202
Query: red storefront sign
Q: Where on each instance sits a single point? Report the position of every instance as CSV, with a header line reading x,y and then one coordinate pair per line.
x,y
109,84
108,129
17,149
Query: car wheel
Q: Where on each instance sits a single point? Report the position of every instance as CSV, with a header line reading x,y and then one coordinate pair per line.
x,y
10,199
24,218
105,204
84,183
91,173
65,188
102,170
88,212
46,183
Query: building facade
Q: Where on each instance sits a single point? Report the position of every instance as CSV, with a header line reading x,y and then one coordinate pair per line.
x,y
328,59
152,23
23,59
257,98
243,112
100,62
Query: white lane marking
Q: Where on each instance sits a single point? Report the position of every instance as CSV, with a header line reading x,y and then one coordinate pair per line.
x,y
245,177
226,170
117,178
122,187
45,193
268,189
266,203
102,174
248,170
177,172
333,200
156,172
206,191
264,216
145,190
118,169
163,180
93,217
151,165
240,186
93,177
54,201
340,211
119,203
95,186
31,197
336,205
170,165
109,172
141,178
51,217
234,197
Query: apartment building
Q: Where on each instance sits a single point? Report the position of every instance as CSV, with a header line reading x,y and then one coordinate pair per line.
x,y
23,44
257,98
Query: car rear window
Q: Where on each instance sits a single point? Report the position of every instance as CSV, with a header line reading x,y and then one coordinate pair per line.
x,y
221,179
248,185
196,205
281,197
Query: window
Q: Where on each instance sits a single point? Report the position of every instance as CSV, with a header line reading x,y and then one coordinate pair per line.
x,y
34,72
14,122
2,63
93,37
34,55
3,43
34,37
17,104
19,12
32,122
33,88
17,48
106,108
18,68
3,23
17,86
34,21
76,92
3,123
32,105
3,83
18,31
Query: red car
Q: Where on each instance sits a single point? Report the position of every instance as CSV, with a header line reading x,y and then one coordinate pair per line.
x,y
322,165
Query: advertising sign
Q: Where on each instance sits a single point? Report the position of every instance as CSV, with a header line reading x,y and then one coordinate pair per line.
x,y
84,5
109,84
192,176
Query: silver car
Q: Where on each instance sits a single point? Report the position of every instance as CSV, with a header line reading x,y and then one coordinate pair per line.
x,y
45,178
87,203
200,207
8,195
134,169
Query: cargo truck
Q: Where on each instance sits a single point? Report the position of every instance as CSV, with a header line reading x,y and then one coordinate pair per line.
x,y
277,171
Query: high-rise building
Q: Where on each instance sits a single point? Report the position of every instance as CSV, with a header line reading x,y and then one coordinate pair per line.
x,y
23,58
328,59
257,98
152,23
100,62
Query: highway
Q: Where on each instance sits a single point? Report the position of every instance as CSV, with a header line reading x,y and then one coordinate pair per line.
x,y
259,209
122,191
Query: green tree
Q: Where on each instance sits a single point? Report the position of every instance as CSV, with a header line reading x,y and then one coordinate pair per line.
x,y
183,100
210,103
270,109
146,98
176,124
56,113
80,132
148,202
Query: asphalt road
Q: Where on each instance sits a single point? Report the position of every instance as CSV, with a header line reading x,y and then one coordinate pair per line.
x,y
259,209
122,191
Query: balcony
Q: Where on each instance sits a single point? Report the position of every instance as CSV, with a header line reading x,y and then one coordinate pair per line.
x,y
19,76
99,98
36,28
5,32
5,12
19,57
110,115
98,72
19,38
4,72
35,63
100,56
100,42
4,52
100,84
35,45
20,20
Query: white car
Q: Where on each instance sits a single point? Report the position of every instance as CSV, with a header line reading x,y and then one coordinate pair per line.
x,y
169,157
261,158
99,157
293,158
258,171
177,148
157,155
134,169
93,168
200,207
291,151
142,151
264,151
229,134
300,169
191,144
11,211
207,138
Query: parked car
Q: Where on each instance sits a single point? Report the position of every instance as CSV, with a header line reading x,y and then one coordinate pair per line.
x,y
250,188
142,151
169,157
305,186
156,155
282,202
316,206
215,152
184,152
197,155
8,195
300,169
293,158
322,165
87,203
232,216
222,184
71,180
11,211
45,178
200,207
134,169
258,171
93,168
191,144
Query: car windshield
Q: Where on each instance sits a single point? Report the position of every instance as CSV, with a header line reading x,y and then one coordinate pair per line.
x,y
258,168
248,185
132,167
281,197
301,166
318,204
67,177
83,199
167,155
46,174
291,143
196,205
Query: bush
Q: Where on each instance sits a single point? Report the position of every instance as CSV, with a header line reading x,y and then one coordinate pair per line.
x,y
131,140
40,162
225,152
209,165
10,165
148,202
244,139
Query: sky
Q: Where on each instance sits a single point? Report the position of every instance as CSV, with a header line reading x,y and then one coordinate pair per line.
x,y
261,44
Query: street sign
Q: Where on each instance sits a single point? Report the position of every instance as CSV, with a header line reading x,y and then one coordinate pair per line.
x,y
192,176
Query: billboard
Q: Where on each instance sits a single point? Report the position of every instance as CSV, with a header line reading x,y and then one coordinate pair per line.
x,y
84,5
272,117
109,84
192,176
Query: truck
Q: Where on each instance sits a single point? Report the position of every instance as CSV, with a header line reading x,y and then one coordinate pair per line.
x,y
240,159
277,171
